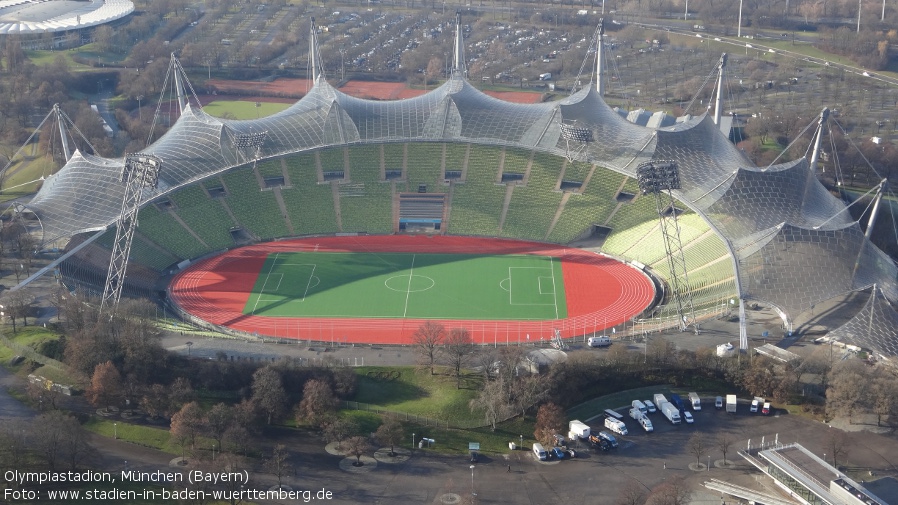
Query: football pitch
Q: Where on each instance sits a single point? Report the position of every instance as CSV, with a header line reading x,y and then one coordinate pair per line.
x,y
406,285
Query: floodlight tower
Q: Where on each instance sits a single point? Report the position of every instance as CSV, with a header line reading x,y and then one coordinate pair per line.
x,y
659,178
140,172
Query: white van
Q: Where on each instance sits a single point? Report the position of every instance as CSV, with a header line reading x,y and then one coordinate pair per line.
x,y
540,452
639,406
603,341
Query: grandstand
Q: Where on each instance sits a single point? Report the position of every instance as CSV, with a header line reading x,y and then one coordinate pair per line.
x,y
35,17
769,235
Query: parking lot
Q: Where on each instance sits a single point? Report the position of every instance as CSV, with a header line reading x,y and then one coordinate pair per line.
x,y
599,477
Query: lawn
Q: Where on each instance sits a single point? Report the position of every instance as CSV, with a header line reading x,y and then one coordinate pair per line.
x,y
40,58
417,392
243,110
426,286
25,175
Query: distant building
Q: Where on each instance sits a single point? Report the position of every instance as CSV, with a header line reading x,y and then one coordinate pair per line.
x,y
69,22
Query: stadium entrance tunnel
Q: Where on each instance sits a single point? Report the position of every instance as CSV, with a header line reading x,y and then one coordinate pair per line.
x,y
381,289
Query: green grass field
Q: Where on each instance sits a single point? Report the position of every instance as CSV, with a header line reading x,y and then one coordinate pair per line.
x,y
402,285
243,110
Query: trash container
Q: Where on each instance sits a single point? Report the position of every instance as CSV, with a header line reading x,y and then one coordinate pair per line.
x,y
420,444
512,446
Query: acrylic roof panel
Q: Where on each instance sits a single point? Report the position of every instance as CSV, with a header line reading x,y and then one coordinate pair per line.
x,y
793,242
874,327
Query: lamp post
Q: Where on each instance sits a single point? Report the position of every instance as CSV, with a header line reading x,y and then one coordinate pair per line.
x,y
213,452
189,345
472,481
139,113
709,462
115,430
522,441
413,440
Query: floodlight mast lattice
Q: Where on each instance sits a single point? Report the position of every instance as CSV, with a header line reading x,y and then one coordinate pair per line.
x,y
577,136
140,172
659,178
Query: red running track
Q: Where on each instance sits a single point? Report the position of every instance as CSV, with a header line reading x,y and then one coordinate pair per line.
x,y
601,292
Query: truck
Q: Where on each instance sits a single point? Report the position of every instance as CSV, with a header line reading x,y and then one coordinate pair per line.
x,y
600,341
578,429
642,419
731,403
659,399
616,425
677,401
638,405
695,401
671,412
756,404
546,76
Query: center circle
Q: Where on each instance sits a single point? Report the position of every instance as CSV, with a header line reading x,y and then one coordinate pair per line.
x,y
403,284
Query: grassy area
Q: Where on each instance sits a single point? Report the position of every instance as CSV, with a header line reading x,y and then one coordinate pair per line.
x,y
243,110
41,58
596,406
418,392
25,176
147,436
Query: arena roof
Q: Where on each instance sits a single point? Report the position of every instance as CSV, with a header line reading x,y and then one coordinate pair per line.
x,y
792,243
45,16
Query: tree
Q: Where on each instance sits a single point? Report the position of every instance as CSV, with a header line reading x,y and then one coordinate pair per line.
x,y
493,401
155,401
278,464
724,441
885,397
337,429
485,360
218,419
529,390
457,352
390,433
187,424
357,446
837,445
181,392
105,385
269,393
427,339
696,445
848,391
673,491
318,401
633,493
18,304
550,419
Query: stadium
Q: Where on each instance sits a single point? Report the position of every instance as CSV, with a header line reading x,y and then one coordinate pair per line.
x,y
32,17
419,193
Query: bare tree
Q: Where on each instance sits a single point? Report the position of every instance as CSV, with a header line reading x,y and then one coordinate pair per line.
x,y
278,464
724,442
390,433
427,340
696,445
357,446
458,351
493,401
837,445
885,397
156,402
550,419
848,391
105,385
269,393
18,304
633,493
485,359
218,419
187,424
529,390
673,491
336,429
318,401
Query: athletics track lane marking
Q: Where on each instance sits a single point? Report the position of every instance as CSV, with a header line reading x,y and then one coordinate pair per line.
x,y
273,263
408,290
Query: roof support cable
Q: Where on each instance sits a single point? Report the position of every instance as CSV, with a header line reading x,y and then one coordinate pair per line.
x,y
780,155
701,88
845,209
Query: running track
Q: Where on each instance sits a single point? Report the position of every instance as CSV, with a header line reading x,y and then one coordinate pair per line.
x,y
601,292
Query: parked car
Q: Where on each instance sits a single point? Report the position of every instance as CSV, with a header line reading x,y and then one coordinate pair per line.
x,y
718,403
572,453
687,416
650,406
557,453
766,409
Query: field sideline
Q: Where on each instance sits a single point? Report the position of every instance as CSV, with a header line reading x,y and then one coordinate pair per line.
x,y
402,285
600,292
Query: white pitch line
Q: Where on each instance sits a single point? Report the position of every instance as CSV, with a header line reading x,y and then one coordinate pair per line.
x,y
408,290
554,287
309,282
273,263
